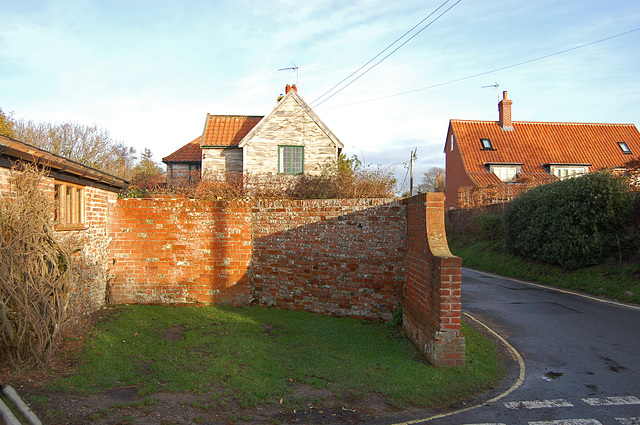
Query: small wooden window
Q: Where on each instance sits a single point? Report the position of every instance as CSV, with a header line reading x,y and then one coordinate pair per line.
x,y
290,159
69,206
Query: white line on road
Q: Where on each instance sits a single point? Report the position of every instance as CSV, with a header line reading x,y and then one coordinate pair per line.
x,y
629,421
516,385
568,422
612,401
538,404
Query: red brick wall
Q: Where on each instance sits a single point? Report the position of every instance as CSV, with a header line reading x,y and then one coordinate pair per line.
x,y
431,304
359,257
180,251
342,257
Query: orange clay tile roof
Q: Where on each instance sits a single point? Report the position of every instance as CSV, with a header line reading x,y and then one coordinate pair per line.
x,y
191,152
536,144
227,130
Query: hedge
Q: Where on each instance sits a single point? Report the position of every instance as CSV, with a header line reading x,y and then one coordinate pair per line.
x,y
572,223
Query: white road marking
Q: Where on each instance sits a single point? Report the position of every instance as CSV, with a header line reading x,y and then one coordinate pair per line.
x,y
629,421
568,422
538,404
612,401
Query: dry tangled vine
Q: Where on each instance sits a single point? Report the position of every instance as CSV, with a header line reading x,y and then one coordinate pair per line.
x,y
35,273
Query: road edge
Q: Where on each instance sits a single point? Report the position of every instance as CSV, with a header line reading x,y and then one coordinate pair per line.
x,y
521,375
560,289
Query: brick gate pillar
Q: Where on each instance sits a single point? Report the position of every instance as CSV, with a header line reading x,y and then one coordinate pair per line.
x,y
431,306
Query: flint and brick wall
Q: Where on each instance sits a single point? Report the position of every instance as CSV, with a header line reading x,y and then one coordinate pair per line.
x,y
431,304
92,272
340,257
360,257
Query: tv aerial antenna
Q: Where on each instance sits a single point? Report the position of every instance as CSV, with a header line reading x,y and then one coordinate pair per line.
x,y
495,86
292,68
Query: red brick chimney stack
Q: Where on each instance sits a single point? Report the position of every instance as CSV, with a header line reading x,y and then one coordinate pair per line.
x,y
504,112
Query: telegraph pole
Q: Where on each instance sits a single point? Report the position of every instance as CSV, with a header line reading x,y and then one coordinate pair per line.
x,y
413,157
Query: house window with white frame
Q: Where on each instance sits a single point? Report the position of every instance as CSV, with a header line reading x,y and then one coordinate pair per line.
x,y
69,211
290,159
567,171
505,172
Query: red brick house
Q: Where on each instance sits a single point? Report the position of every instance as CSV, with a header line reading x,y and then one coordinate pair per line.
x,y
291,139
492,161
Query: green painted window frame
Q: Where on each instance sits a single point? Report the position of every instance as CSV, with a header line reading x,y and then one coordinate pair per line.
x,y
289,168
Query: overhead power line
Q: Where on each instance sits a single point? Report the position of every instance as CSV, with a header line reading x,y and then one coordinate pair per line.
x,y
317,101
457,80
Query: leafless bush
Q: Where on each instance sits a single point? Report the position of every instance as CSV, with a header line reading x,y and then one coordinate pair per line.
x,y
343,179
35,273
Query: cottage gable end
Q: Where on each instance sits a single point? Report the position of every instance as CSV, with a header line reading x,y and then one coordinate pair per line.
x,y
291,139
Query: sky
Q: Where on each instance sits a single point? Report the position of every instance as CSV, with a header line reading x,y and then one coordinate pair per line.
x,y
150,71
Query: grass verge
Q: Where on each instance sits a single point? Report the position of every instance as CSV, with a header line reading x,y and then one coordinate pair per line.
x,y
252,355
612,280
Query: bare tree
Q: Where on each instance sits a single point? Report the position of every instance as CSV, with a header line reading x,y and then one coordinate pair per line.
x,y
432,180
88,145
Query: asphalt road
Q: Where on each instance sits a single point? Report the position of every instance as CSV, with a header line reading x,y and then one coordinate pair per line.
x,y
581,356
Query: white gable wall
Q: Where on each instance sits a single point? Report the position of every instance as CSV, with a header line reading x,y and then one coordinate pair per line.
x,y
289,126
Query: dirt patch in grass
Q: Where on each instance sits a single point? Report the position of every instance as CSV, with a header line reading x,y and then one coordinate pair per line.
x,y
173,334
126,406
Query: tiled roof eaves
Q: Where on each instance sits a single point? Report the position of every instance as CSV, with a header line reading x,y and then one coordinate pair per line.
x,y
189,153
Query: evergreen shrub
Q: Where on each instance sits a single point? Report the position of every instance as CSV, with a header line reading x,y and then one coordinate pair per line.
x,y
572,223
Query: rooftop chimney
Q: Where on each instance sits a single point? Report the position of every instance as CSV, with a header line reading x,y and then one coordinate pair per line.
x,y
288,88
504,112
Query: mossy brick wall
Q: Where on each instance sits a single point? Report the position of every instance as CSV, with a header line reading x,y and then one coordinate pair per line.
x,y
339,257
180,251
431,304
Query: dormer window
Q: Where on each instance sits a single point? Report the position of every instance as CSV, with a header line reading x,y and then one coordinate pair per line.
x,y
505,172
486,144
565,171
624,147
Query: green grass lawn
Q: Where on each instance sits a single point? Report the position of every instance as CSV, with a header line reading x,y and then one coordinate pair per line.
x,y
612,280
253,355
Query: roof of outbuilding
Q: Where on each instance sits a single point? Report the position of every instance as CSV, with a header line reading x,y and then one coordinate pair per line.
x,y
227,130
12,150
539,144
191,152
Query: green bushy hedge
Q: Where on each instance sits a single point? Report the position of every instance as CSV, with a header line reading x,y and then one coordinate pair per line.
x,y
571,223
